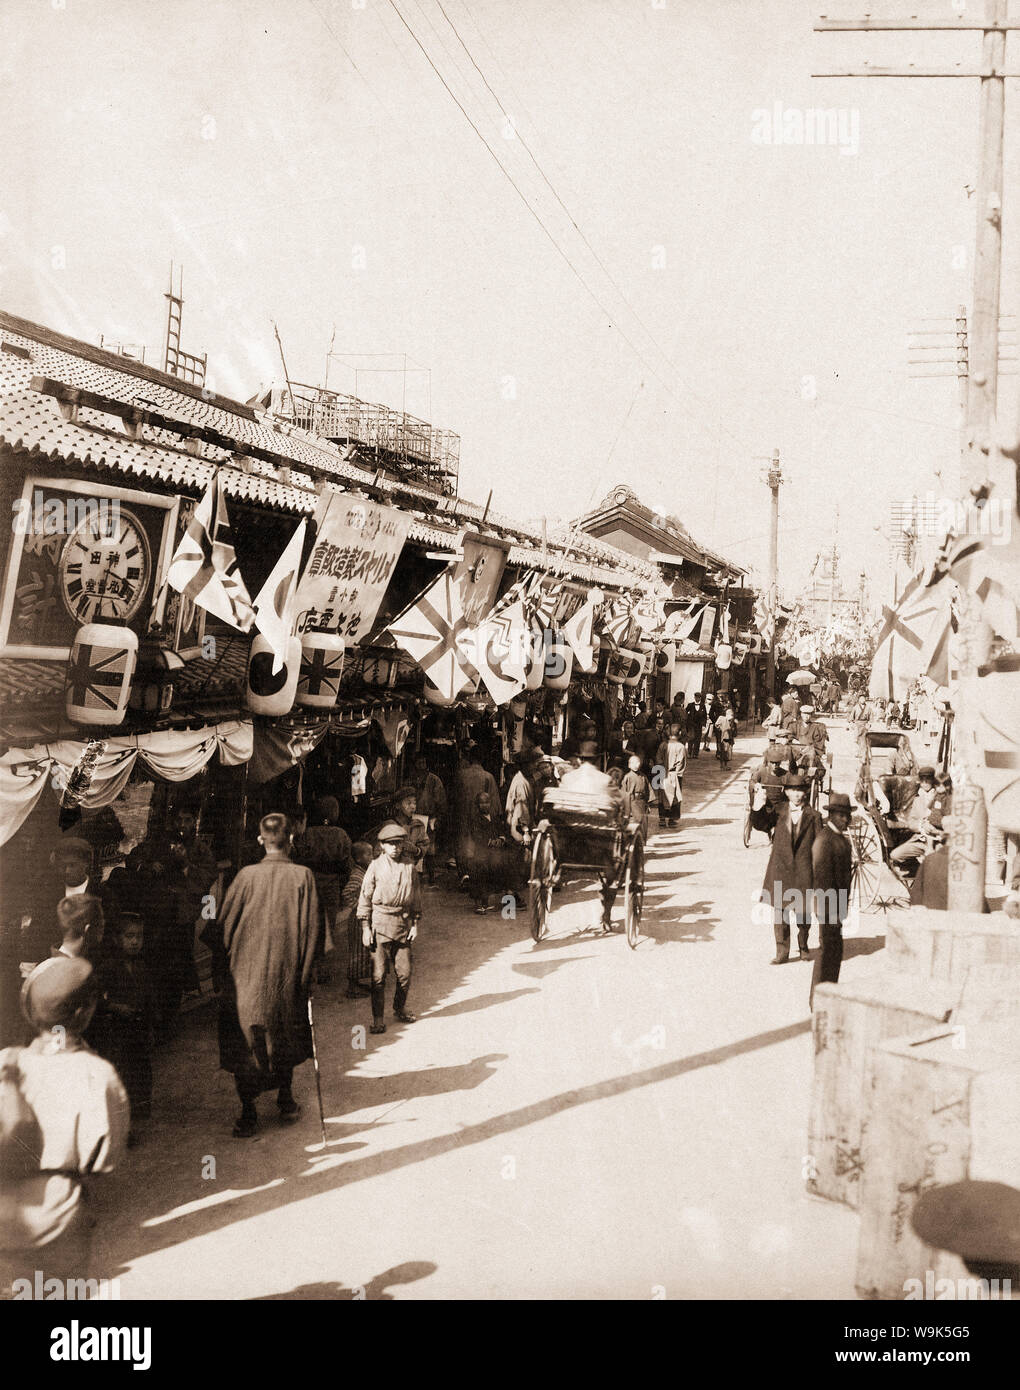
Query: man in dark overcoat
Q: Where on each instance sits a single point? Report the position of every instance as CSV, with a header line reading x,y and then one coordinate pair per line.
x,y
788,878
831,865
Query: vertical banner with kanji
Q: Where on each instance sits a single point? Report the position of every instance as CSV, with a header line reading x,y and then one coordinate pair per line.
x,y
356,549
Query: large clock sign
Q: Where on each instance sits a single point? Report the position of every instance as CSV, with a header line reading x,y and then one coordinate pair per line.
x,y
104,567
85,552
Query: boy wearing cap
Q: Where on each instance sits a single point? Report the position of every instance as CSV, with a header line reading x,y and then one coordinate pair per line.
x,y
831,865
389,910
80,1113
416,836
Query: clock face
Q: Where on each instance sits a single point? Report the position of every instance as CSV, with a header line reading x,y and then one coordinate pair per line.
x,y
105,567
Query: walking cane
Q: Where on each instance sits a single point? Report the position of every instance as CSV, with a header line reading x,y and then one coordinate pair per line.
x,y
315,1063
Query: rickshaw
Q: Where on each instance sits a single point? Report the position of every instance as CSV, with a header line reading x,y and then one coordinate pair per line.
x,y
585,832
796,754
871,838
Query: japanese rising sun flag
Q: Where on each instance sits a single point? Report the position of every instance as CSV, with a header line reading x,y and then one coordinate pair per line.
x,y
204,565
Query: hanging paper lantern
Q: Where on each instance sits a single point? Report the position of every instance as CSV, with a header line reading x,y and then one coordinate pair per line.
x,y
152,690
996,691
535,653
723,656
322,664
269,692
636,667
623,666
559,662
99,674
436,697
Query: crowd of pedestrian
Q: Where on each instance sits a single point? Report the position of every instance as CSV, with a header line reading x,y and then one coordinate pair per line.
x,y
104,964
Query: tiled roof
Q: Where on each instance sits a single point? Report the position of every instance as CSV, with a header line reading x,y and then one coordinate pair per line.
x,y
33,421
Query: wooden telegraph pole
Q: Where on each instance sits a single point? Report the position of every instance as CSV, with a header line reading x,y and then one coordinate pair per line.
x,y
774,478
969,823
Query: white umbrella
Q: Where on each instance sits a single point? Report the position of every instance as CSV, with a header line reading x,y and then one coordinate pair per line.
x,y
801,678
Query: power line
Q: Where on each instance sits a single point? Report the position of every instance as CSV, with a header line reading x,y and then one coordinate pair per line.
x,y
573,221
517,189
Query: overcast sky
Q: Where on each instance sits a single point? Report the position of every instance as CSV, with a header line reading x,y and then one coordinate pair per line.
x,y
304,162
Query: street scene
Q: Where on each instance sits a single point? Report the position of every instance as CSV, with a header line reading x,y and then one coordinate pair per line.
x,y
509,671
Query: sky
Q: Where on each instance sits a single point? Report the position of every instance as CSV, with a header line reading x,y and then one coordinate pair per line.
x,y
666,300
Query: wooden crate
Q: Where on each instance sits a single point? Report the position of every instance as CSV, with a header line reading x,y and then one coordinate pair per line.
x,y
939,1113
945,945
848,1020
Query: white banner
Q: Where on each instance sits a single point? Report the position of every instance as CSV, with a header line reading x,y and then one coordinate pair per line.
x,y
356,549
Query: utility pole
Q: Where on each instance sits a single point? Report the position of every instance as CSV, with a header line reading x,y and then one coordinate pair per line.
x,y
834,567
950,349
774,478
968,828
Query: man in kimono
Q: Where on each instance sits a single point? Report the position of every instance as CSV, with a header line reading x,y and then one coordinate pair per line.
x,y
271,921
471,779
668,775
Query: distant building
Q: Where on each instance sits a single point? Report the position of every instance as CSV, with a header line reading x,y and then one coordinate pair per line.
x,y
694,579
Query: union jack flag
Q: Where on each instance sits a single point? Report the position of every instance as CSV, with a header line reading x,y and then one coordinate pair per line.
x,y
432,631
204,565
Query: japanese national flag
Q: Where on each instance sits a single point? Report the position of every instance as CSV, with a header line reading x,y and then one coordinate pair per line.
x,y
274,607
580,633
498,649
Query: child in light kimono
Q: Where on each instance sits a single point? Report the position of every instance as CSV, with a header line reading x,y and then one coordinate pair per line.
x,y
637,792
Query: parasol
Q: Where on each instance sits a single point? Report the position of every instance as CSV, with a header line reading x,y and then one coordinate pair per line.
x,y
801,678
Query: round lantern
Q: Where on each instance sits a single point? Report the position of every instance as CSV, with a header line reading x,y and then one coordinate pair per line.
x,y
534,672
152,690
436,697
559,662
623,667
723,656
636,668
995,693
99,674
322,664
269,692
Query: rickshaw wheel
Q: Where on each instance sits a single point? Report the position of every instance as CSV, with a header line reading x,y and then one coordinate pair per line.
x,y
540,885
747,827
866,870
634,890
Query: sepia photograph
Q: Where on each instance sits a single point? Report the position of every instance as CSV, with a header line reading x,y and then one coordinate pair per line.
x,y
509,667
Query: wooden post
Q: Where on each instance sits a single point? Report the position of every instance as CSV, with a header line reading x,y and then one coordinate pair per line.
x,y
774,479
968,826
